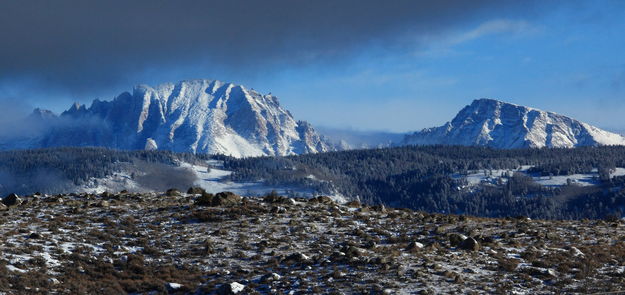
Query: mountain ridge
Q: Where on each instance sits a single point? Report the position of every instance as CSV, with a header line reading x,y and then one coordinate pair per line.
x,y
499,124
197,116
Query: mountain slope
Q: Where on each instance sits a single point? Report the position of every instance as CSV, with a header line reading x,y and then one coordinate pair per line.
x,y
198,116
498,124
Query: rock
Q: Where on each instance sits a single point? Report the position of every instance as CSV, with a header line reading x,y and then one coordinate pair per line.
x,y
3,207
352,251
541,273
195,191
55,199
226,199
370,244
550,273
172,192
274,198
456,239
34,236
486,240
321,200
414,246
270,278
470,244
353,204
205,199
576,252
231,288
12,200
278,209
379,208
53,281
172,287
103,204
297,258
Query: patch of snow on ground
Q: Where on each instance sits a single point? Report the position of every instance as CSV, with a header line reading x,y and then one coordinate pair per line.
x,y
494,176
116,182
579,179
216,180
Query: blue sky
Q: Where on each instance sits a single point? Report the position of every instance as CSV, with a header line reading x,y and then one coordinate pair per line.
x,y
563,63
568,57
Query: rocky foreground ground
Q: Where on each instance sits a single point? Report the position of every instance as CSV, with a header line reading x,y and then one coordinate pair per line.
x,y
200,243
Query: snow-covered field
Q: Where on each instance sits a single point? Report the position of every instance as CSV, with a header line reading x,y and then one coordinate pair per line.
x,y
495,176
113,183
216,180
210,176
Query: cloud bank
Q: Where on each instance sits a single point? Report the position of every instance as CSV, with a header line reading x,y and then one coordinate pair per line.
x,y
84,45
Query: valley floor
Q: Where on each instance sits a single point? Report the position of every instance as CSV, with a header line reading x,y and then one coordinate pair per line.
x,y
182,243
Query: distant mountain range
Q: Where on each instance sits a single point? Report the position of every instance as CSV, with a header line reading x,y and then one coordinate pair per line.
x,y
489,122
198,116
213,117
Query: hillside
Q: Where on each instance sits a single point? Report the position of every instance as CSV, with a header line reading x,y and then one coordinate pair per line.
x,y
57,170
460,180
200,243
586,182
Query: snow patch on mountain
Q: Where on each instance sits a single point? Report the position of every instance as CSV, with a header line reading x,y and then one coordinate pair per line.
x,y
498,124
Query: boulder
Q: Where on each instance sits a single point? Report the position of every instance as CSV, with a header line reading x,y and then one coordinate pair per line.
x,y
353,204
542,273
205,199
352,251
103,204
172,192
274,198
12,200
576,252
414,246
3,207
271,277
196,191
278,209
297,258
379,208
469,244
456,239
321,200
230,288
226,199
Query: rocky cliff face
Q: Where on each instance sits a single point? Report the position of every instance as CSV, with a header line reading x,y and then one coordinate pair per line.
x,y
498,124
199,116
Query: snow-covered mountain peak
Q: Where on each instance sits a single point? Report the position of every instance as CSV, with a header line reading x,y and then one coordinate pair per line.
x,y
199,116
500,124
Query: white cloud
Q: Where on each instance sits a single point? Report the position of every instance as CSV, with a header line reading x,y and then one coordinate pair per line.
x,y
492,27
443,45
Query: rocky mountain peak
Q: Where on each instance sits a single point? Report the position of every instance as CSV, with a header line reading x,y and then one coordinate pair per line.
x,y
499,124
198,116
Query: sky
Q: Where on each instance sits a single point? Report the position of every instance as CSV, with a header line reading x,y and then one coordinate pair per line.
x,y
396,66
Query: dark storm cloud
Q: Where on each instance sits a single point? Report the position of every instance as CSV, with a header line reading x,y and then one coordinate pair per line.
x,y
82,44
